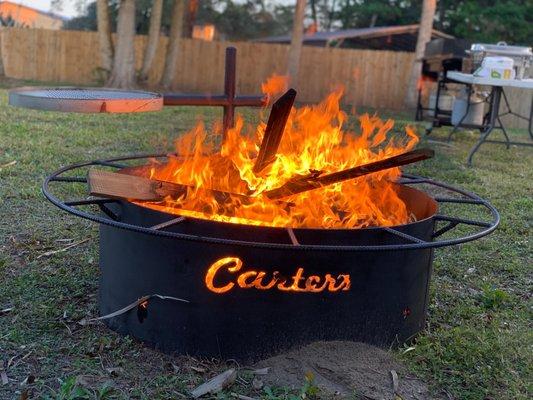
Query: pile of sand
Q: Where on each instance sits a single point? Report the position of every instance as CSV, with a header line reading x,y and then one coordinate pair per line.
x,y
345,369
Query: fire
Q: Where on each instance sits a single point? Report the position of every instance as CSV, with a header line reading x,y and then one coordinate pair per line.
x,y
315,139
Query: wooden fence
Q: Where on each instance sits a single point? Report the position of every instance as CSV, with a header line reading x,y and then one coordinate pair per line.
x,y
376,79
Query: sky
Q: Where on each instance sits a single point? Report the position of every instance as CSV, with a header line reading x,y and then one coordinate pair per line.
x,y
69,6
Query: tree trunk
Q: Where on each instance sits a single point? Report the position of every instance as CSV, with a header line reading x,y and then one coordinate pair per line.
x,y
313,13
123,74
104,35
153,39
191,16
295,50
2,70
176,32
424,36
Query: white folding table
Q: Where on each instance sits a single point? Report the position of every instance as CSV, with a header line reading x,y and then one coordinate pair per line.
x,y
493,120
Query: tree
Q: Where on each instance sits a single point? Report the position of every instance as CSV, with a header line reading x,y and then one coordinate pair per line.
x,y
191,16
176,32
2,69
123,72
153,39
424,36
295,50
104,35
487,21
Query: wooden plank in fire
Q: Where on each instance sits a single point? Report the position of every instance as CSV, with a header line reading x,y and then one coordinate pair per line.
x,y
131,187
316,180
274,130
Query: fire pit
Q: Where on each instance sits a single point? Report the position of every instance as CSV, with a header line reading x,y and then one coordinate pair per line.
x,y
242,250
253,291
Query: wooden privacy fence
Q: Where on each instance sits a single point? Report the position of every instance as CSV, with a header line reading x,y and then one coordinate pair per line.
x,y
371,78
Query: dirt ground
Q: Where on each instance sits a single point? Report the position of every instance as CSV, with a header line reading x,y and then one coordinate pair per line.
x,y
346,370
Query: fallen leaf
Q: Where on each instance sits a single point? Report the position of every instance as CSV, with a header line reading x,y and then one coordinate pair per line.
x,y
9,164
115,371
262,371
85,322
52,252
6,311
93,382
216,384
3,376
176,368
242,396
30,380
257,383
394,376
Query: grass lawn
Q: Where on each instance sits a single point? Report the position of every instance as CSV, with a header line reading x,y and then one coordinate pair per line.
x,y
477,344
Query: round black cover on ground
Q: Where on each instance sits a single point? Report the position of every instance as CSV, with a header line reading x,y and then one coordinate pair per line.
x,y
85,100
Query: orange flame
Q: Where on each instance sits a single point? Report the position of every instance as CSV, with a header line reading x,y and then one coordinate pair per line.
x,y
315,139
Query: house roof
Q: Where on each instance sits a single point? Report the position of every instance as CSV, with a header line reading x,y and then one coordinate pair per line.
x,y
361,33
24,13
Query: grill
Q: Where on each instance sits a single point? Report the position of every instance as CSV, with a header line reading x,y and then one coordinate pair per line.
x,y
86,100
210,288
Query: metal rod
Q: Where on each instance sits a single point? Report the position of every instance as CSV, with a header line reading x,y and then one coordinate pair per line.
x,y
108,212
229,89
403,235
460,201
462,220
449,226
175,99
294,239
109,164
89,201
413,181
166,224
68,179
488,227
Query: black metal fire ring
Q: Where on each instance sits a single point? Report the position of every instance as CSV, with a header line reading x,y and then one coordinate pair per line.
x,y
407,179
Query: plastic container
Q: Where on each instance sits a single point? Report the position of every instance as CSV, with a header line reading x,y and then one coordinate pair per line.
x,y
475,112
497,68
445,102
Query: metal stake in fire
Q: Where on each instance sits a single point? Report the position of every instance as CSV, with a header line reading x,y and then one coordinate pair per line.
x,y
229,101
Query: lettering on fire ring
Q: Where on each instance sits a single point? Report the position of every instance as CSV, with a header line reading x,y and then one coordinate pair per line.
x,y
251,279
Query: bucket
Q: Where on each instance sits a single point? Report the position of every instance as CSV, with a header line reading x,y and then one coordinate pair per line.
x,y
475,113
445,103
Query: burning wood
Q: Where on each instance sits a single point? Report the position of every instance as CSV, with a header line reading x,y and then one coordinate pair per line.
x,y
274,130
299,150
131,187
316,180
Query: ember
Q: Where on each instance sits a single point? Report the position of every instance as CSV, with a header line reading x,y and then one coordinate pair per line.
x,y
315,141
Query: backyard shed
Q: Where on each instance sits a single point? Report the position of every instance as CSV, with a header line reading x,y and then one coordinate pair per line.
x,y
396,38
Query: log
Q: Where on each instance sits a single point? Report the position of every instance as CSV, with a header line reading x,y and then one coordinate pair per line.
x,y
316,180
274,130
123,186
130,187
